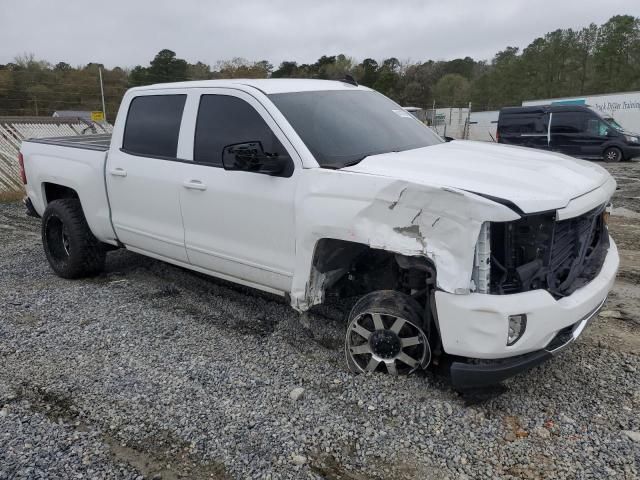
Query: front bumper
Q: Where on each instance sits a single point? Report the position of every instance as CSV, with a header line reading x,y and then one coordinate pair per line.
x,y
491,372
630,151
476,325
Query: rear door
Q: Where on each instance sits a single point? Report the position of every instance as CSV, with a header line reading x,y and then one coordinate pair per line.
x,y
527,129
239,224
142,176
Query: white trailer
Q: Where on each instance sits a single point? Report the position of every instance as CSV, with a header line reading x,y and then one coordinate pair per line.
x,y
624,108
483,126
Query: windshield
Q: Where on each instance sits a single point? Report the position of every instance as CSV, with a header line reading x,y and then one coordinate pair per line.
x,y
613,123
342,127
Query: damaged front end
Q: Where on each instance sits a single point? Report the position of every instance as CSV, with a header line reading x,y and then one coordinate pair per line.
x,y
539,252
436,225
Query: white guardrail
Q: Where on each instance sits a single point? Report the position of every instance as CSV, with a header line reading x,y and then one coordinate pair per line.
x,y
13,130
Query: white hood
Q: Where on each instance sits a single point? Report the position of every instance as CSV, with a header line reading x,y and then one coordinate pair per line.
x,y
533,180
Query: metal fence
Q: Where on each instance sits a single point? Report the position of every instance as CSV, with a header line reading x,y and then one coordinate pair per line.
x,y
13,130
449,121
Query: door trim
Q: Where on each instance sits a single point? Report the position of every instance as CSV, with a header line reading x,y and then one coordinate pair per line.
x,y
248,263
149,235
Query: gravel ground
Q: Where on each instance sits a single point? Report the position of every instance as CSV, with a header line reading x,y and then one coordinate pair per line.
x,y
150,371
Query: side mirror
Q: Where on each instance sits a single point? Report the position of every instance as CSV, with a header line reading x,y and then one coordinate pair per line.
x,y
448,139
251,157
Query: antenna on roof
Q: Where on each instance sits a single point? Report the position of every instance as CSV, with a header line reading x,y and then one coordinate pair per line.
x,y
350,80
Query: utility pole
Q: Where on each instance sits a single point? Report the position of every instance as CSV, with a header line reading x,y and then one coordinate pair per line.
x,y
104,111
467,124
433,117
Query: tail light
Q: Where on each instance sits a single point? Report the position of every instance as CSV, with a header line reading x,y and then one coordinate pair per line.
x,y
23,174
497,135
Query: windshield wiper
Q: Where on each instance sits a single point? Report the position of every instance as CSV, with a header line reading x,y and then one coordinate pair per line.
x,y
354,162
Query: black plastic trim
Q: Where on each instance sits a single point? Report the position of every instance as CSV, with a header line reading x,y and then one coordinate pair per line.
x,y
467,375
158,157
31,211
191,162
501,201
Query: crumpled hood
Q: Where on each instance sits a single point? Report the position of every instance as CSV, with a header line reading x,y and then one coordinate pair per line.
x,y
533,180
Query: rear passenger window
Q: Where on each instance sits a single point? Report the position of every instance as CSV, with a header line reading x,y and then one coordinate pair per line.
x,y
224,120
524,124
153,125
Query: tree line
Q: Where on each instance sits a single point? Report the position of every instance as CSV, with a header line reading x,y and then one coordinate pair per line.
x,y
595,59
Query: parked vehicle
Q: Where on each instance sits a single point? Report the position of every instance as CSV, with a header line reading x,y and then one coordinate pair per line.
x,y
624,107
574,130
492,256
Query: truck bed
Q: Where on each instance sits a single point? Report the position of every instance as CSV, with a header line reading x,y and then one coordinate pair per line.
x,y
76,162
98,143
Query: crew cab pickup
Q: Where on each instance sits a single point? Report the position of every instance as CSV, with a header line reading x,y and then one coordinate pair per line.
x,y
492,256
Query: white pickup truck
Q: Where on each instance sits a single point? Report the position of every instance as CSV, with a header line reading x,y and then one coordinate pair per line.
x,y
495,257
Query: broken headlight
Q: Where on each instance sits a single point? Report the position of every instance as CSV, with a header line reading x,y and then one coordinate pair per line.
x,y
481,276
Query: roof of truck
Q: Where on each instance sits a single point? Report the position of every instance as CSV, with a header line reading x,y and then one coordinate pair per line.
x,y
266,85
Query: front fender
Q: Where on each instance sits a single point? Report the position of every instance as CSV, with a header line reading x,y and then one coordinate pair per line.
x,y
440,223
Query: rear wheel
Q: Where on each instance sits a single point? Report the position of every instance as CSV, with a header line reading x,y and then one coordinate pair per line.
x,y
612,155
385,333
70,247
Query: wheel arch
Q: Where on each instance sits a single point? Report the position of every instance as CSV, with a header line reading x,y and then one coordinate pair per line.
x,y
336,260
94,207
56,191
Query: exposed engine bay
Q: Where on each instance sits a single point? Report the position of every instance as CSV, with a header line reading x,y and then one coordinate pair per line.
x,y
538,252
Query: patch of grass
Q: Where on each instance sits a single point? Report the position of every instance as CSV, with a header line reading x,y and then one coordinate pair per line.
x,y
11,196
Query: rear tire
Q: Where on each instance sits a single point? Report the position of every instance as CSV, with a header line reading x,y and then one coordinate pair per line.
x,y
612,155
70,247
385,333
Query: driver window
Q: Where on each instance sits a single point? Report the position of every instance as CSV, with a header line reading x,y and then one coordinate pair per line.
x,y
604,129
597,127
225,120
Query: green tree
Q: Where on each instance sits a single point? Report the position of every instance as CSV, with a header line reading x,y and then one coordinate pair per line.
x,y
286,70
452,90
368,72
166,67
388,77
616,54
198,71
242,68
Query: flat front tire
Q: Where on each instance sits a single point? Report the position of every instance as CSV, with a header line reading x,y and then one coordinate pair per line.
x,y
385,334
70,247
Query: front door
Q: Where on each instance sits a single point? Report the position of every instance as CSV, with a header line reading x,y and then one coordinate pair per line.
x,y
596,135
239,223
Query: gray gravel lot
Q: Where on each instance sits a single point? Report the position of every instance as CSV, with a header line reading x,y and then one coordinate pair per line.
x,y
151,371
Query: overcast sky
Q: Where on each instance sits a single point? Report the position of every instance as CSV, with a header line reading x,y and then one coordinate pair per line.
x,y
131,32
